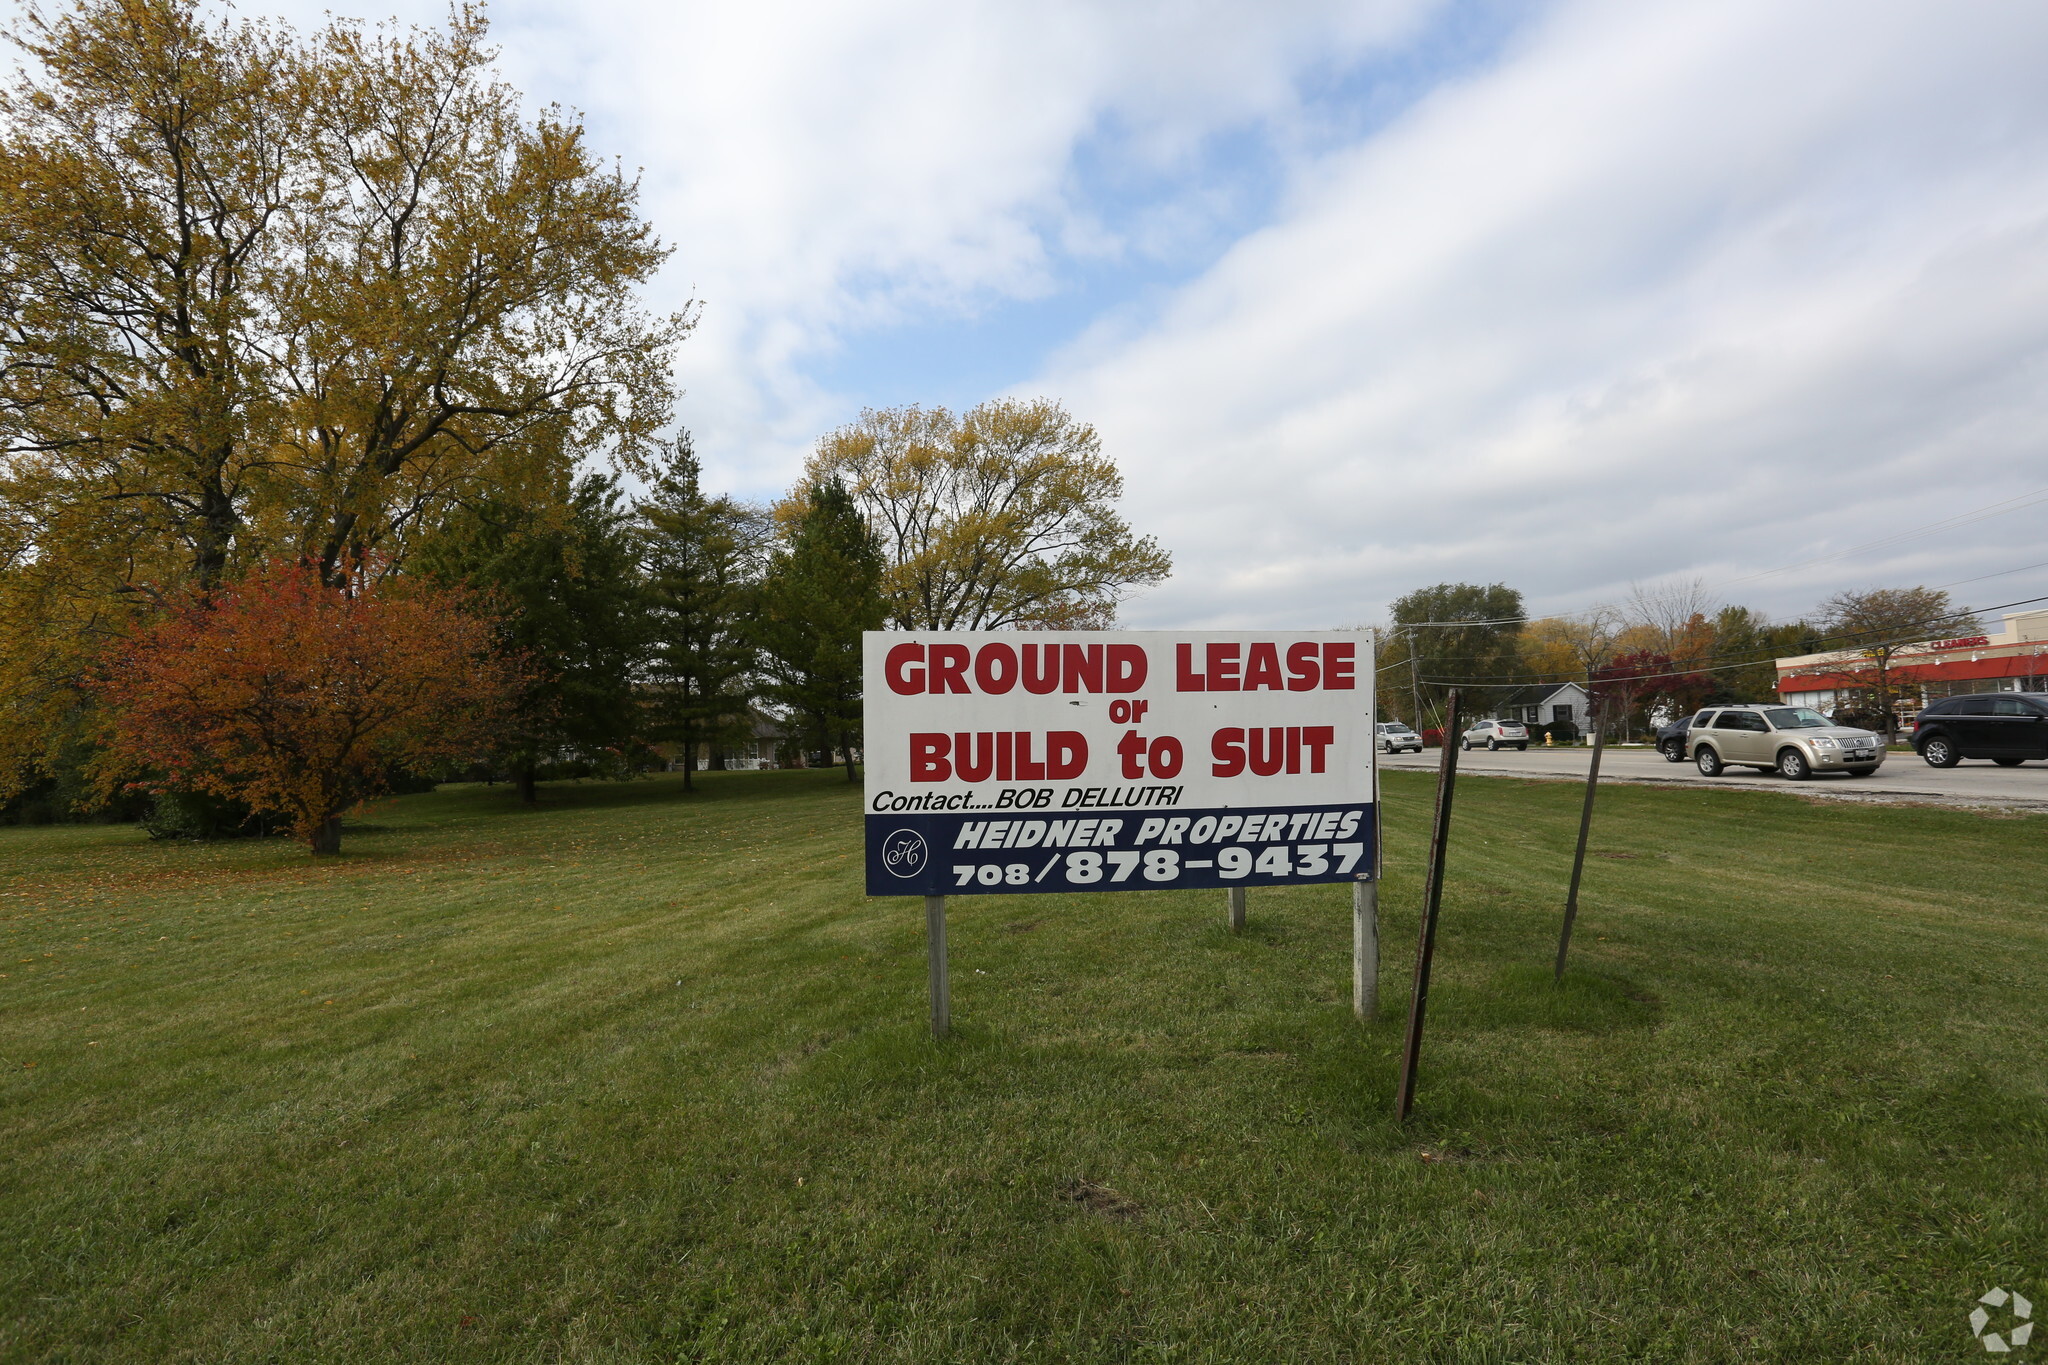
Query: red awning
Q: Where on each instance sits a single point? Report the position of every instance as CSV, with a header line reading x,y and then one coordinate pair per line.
x,y
1959,670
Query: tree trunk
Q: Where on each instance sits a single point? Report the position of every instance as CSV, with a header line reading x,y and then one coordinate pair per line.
x,y
846,747
218,522
525,778
327,835
332,572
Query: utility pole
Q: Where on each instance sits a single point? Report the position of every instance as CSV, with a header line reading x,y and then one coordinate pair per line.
x,y
1415,683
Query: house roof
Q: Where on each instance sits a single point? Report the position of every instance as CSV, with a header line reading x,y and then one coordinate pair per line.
x,y
1537,694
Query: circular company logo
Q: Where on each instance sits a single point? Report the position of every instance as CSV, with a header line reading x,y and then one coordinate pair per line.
x,y
2012,1327
905,853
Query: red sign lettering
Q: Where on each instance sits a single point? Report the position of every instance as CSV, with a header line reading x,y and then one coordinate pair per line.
x,y
904,668
948,669
1302,672
1264,751
1340,664
997,668
1002,755
1333,667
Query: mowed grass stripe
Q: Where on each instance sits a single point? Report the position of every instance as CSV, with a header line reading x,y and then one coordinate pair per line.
x,y
644,1076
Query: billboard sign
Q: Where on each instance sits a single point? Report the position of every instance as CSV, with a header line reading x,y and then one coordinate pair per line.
x,y
1012,762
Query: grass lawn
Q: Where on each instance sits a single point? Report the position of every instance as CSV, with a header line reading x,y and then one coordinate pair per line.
x,y
643,1076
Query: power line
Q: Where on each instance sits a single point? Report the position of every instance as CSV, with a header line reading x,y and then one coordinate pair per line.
x,y
1960,519
2000,574
1948,523
1853,643
1523,620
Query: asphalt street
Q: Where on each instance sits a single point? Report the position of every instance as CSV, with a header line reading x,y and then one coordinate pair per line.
x,y
1903,776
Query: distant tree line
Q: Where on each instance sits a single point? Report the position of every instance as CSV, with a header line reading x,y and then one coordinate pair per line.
x,y
1663,651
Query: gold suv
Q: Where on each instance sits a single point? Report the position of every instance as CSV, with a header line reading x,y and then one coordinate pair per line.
x,y
1793,740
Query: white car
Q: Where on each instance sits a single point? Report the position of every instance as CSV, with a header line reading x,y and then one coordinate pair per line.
x,y
1393,737
1496,734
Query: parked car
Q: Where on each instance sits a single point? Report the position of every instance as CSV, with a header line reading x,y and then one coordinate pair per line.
x,y
2006,727
1671,739
1795,741
1395,738
1496,734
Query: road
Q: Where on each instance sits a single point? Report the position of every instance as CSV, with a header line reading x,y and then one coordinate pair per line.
x,y
1903,776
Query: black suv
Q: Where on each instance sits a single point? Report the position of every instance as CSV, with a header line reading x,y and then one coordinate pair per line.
x,y
2006,727
1671,739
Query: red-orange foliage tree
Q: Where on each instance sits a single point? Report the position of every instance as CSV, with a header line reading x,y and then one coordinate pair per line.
x,y
297,698
1634,680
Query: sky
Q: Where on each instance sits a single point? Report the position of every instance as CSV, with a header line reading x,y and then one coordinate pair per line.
x,y
1364,296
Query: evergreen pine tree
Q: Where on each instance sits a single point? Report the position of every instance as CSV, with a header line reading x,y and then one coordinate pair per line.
x,y
702,562
822,589
566,582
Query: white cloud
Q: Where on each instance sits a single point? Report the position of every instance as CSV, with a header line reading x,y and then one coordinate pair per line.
x,y
1670,289
823,168
1660,289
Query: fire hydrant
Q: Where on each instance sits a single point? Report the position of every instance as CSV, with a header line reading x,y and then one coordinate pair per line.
x,y
1549,740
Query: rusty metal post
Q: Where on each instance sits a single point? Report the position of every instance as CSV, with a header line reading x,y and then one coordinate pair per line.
x,y
1571,900
1432,898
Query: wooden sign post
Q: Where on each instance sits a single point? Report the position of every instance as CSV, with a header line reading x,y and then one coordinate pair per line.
x,y
1365,948
1365,909
935,963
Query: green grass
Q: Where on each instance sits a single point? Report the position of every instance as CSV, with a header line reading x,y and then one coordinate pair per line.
x,y
643,1076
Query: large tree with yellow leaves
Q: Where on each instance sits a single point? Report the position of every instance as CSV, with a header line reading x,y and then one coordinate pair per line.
x,y
1001,516
269,295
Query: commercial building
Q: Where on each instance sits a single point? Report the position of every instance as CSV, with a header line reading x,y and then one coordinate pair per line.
x,y
2013,660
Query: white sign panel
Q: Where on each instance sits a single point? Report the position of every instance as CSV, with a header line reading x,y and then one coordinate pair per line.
x,y
1002,762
